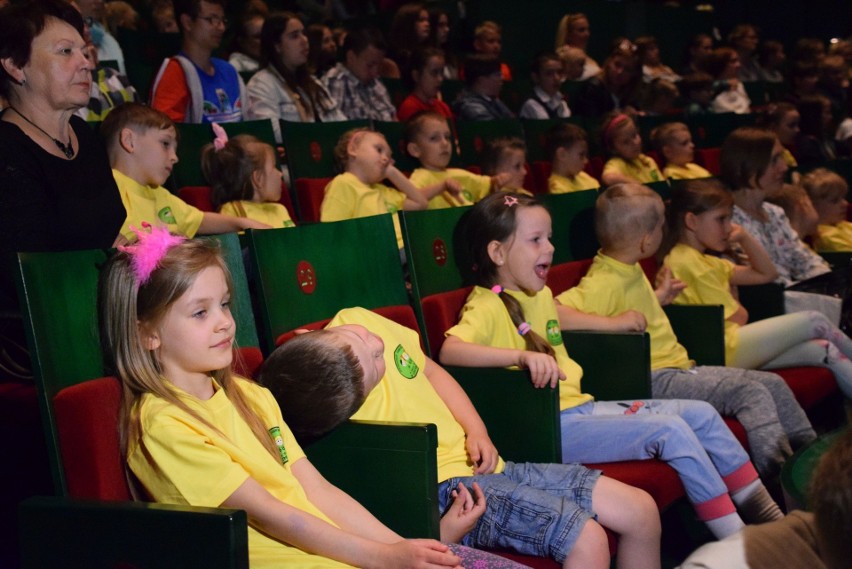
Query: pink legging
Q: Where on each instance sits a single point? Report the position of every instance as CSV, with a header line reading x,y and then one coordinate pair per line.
x,y
799,338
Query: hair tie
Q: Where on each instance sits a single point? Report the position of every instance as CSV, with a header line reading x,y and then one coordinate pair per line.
x,y
150,248
614,122
509,201
221,137
496,289
524,328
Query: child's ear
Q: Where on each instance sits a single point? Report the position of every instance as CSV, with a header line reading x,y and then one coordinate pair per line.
x,y
689,220
560,153
149,336
413,149
256,179
497,253
127,140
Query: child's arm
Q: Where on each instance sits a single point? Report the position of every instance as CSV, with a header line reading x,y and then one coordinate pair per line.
x,y
479,446
414,199
452,189
542,367
668,287
215,223
499,180
760,269
610,177
367,544
462,513
572,319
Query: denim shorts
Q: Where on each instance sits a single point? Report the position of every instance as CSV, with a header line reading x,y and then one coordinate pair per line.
x,y
534,509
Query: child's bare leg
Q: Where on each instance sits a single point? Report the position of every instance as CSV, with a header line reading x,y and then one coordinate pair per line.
x,y
633,515
591,549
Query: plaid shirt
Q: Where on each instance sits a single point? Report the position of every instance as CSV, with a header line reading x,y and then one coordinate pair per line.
x,y
357,100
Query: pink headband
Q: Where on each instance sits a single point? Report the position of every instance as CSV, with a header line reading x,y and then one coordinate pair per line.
x,y
221,137
150,248
610,126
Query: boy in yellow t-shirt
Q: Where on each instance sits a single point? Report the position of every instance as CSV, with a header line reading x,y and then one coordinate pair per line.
x,y
369,368
629,221
568,149
142,147
674,143
827,191
431,142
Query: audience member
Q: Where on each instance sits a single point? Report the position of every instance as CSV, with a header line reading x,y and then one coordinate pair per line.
x,y
409,30
614,88
699,47
568,151
723,64
322,50
697,91
108,48
425,76
488,41
815,144
547,101
573,31
772,60
245,57
653,67
480,100
744,39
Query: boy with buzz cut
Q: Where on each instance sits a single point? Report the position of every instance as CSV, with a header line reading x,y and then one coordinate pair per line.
x,y
629,221
366,367
430,141
142,147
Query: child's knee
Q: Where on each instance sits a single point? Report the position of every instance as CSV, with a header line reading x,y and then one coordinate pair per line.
x,y
641,514
591,548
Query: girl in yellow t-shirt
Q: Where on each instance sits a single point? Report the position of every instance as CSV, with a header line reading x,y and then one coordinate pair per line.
x,y
674,143
700,221
194,433
623,143
245,179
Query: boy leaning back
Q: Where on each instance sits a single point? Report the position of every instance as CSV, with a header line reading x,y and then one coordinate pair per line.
x,y
376,370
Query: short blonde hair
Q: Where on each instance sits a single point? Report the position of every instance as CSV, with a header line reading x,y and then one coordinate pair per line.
x,y
824,185
626,212
485,28
664,134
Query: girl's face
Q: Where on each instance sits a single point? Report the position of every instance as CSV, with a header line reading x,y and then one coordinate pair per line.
x,y
732,68
831,211
575,157
772,179
524,259
196,335
443,31
293,45
702,48
328,45
421,26
369,157
512,162
550,77
578,33
433,145
788,128
626,142
267,182
617,72
681,150
711,228
368,348
428,80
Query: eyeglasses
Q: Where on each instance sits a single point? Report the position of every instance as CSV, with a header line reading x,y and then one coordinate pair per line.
x,y
215,20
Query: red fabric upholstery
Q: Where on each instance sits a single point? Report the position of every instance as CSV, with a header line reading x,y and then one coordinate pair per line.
x,y
310,192
87,423
656,157
810,385
738,430
440,313
541,170
709,158
247,361
594,167
654,476
566,275
197,196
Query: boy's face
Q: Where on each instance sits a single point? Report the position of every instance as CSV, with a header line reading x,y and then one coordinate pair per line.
x,y
155,154
831,210
512,162
681,150
575,157
490,43
433,145
550,77
365,65
368,348
489,85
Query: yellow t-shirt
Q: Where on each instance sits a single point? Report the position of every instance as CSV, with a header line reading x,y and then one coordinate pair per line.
x,y
474,186
611,287
485,321
708,281
789,159
347,197
405,395
156,206
642,169
557,184
834,237
273,214
690,171
180,460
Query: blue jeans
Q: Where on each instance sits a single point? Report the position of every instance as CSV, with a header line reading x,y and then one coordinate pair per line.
x,y
689,435
534,509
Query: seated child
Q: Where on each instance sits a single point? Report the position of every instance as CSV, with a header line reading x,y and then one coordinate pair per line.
x,y
674,143
430,141
508,156
426,75
510,319
622,142
659,97
142,147
480,99
828,191
547,101
370,368
573,62
799,209
365,157
629,222
700,222
697,90
568,149
245,179
194,433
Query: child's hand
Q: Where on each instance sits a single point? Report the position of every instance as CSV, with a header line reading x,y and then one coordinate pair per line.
x,y
630,321
463,513
252,224
482,453
454,188
500,180
416,554
543,368
668,287
737,233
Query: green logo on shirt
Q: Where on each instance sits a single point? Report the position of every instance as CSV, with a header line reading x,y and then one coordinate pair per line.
x,y
554,333
275,433
166,215
404,364
393,209
467,195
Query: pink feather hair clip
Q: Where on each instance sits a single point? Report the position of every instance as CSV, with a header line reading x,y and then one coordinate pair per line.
x,y
221,137
150,248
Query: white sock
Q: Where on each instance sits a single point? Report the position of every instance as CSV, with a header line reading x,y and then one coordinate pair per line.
x,y
755,504
725,526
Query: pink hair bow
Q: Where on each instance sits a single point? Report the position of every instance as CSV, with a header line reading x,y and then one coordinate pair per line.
x,y
150,248
221,138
